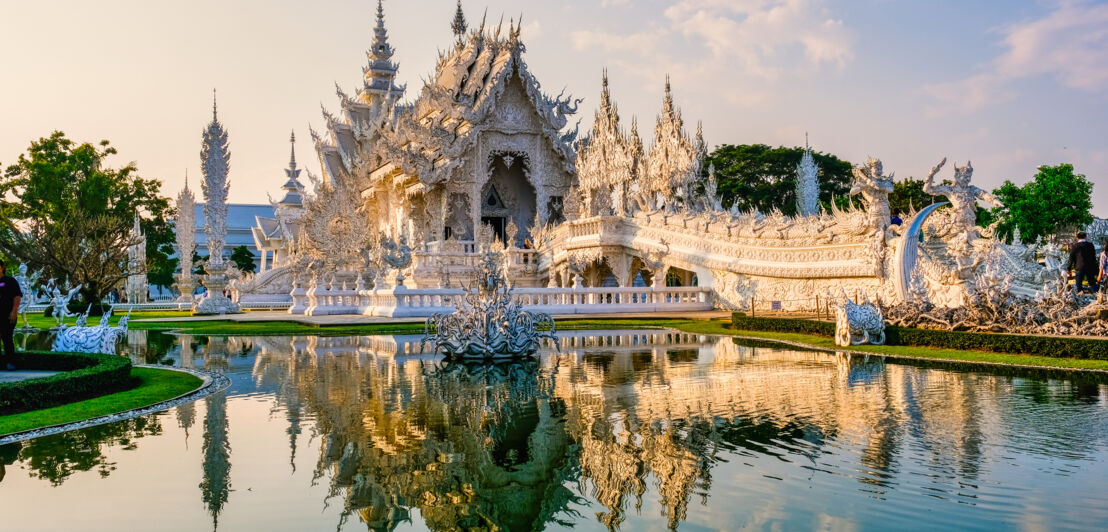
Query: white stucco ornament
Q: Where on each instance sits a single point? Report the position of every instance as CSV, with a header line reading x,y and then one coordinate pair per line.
x,y
857,324
101,338
487,324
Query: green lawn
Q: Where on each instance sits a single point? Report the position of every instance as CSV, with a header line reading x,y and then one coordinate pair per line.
x,y
718,327
156,385
38,320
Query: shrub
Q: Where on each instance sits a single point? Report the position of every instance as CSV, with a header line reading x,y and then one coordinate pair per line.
x,y
1047,346
83,376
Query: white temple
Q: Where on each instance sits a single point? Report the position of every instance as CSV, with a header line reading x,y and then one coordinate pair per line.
x,y
412,194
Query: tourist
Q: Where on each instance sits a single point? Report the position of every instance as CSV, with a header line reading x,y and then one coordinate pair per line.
x,y
1083,262
1103,278
896,220
10,297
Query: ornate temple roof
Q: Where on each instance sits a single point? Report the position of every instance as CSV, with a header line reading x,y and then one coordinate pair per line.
x,y
426,139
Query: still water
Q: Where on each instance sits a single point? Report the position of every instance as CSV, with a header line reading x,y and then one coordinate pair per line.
x,y
627,430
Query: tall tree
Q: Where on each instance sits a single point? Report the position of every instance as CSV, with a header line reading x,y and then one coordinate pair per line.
x,y
908,194
762,177
243,259
1055,201
63,210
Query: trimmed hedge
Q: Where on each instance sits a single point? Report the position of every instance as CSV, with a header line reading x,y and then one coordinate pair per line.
x,y
84,376
1047,346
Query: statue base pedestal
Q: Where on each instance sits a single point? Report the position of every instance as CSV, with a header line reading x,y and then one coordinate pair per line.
x,y
185,284
214,302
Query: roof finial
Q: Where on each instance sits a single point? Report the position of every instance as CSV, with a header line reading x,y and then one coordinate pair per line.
x,y
806,148
459,24
292,150
215,114
186,178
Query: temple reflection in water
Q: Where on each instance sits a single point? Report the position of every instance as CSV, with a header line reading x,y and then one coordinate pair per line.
x,y
619,429
616,415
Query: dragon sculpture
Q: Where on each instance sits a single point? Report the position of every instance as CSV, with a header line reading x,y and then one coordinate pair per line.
x,y
81,338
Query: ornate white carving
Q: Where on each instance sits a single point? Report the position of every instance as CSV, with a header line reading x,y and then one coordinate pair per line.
x,y
101,338
186,242
59,301
807,185
487,323
857,324
137,286
215,162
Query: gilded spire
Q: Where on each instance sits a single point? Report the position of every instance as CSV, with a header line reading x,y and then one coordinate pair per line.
x,y
459,24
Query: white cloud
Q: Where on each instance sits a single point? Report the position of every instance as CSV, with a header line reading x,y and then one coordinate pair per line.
x,y
756,37
1070,43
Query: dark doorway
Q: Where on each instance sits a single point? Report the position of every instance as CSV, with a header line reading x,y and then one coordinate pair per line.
x,y
498,224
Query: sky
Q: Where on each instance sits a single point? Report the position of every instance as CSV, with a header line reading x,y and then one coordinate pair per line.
x,y
1007,84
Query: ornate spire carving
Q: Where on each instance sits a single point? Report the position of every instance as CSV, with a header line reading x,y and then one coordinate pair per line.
x,y
186,238
292,186
380,74
459,24
673,164
604,162
215,160
807,183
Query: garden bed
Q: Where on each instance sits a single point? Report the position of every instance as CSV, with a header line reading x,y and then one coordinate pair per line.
x,y
83,376
1047,346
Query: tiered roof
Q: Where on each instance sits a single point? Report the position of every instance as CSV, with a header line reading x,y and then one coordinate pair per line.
x,y
426,139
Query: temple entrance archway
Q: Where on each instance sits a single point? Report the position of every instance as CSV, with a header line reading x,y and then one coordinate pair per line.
x,y
508,196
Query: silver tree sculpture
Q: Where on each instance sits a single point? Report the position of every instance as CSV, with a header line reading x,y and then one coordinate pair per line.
x,y
487,324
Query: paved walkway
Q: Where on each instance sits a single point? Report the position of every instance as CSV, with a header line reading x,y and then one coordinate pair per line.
x,y
355,319
24,374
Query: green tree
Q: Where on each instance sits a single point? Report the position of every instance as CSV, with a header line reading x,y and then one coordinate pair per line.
x,y
759,176
243,259
61,209
907,195
1055,201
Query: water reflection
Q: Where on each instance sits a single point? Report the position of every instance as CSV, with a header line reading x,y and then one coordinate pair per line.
x,y
628,429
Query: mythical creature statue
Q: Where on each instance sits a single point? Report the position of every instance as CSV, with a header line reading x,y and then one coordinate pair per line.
x,y
83,339
857,324
59,302
875,187
963,197
397,255
29,285
487,324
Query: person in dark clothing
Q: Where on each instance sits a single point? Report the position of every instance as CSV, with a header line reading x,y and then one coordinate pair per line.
x,y
1083,262
10,297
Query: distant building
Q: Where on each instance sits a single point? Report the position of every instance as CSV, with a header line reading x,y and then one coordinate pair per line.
x,y
240,223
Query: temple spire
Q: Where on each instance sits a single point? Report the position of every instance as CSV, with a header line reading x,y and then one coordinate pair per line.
x,y
215,111
459,24
292,150
380,74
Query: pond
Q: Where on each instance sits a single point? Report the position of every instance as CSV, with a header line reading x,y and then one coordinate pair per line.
x,y
627,430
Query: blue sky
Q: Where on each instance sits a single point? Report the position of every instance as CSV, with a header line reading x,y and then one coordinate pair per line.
x,y
1007,84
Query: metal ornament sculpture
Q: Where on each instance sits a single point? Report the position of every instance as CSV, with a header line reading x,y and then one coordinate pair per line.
x,y
857,324
487,324
83,339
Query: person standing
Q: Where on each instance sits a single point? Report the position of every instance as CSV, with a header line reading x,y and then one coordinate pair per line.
x,y
1103,278
1083,262
10,297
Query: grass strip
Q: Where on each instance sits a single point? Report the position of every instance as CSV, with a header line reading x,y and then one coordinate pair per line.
x,y
716,327
156,385
42,322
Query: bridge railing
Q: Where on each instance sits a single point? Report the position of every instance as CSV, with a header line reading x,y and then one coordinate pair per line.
x,y
404,302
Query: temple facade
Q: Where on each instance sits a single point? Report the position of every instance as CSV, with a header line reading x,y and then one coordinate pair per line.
x,y
412,193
